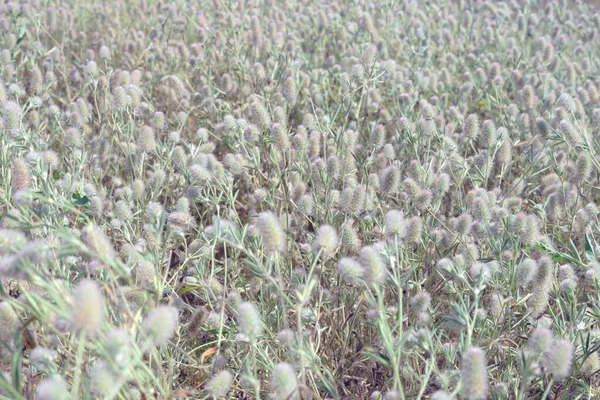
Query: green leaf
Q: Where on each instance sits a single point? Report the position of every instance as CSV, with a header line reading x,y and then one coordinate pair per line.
x,y
190,287
17,365
79,199
378,357
590,245
57,174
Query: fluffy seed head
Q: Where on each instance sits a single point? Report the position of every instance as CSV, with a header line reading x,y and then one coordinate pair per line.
x,y
219,385
528,95
73,138
42,358
21,176
529,229
350,270
590,365
260,115
583,168
88,308
375,272
146,139
280,136
441,395
570,133
159,325
355,199
545,271
118,347
540,340
9,321
249,320
395,225
182,220
414,230
326,241
481,210
420,302
542,127
525,272
488,136
350,238
200,174
474,375
412,188
139,189
558,359
390,180
123,211
537,303
289,90
471,129
96,241
12,113
273,235
52,388
104,53
504,153
103,381
378,137
284,385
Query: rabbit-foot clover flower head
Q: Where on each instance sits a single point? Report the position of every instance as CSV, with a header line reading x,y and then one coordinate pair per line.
x,y
88,308
273,235
474,374
284,385
160,324
249,320
219,384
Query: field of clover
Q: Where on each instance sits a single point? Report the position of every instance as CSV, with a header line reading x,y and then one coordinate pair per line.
x,y
297,199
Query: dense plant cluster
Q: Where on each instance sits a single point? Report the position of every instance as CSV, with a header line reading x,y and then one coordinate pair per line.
x,y
299,200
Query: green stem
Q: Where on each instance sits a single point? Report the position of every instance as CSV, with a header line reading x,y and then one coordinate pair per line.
x,y
78,365
548,388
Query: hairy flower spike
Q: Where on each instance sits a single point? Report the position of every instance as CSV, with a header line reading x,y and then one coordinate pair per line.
x,y
284,385
525,272
420,302
159,325
280,136
249,320
103,380
274,238
52,388
570,133
9,323
375,272
219,384
540,340
558,359
12,113
260,115
474,374
488,137
21,176
326,241
378,137
395,225
96,241
289,90
471,129
350,271
390,180
146,139
88,308
590,365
